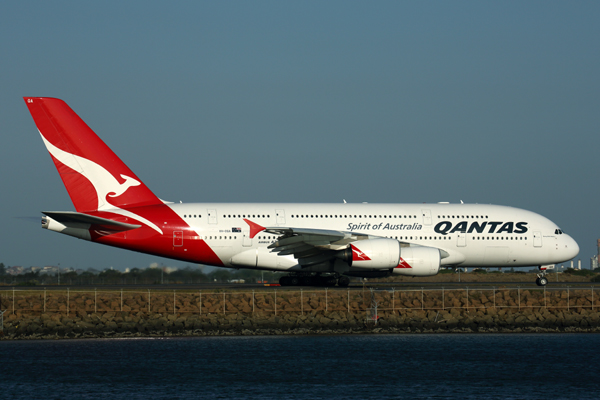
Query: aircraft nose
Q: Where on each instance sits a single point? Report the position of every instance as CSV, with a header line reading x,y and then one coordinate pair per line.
x,y
571,248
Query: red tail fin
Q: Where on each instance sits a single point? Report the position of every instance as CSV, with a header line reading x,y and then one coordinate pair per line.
x,y
94,176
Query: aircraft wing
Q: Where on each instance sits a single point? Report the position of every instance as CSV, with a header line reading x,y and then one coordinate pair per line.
x,y
312,246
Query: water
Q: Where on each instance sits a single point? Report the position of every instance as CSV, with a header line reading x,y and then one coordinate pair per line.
x,y
461,366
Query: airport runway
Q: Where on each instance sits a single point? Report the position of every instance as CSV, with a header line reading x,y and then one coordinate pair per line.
x,y
265,287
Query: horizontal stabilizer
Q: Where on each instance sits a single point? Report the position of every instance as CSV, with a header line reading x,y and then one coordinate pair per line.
x,y
71,217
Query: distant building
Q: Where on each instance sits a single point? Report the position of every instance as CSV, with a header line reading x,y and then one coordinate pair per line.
x,y
594,262
16,270
598,255
49,269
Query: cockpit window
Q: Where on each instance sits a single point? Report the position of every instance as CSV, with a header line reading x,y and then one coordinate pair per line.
x,y
558,232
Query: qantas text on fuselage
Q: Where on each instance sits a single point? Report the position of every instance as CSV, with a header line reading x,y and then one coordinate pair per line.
x,y
314,243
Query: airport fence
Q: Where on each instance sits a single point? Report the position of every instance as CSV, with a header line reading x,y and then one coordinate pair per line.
x,y
298,301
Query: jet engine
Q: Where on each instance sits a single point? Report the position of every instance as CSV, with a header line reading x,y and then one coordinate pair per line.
x,y
418,261
372,254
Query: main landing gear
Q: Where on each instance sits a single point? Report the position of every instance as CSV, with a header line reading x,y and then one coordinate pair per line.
x,y
541,277
315,280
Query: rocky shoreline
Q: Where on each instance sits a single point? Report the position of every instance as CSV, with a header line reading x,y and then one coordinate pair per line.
x,y
125,324
85,314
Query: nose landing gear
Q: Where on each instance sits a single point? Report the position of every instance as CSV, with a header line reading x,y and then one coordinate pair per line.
x,y
541,280
541,277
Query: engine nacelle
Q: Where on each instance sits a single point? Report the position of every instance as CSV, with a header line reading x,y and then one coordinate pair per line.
x,y
418,261
372,254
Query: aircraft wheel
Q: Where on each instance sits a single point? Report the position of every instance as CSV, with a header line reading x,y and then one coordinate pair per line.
x,y
543,281
293,281
537,282
283,281
306,280
330,281
343,281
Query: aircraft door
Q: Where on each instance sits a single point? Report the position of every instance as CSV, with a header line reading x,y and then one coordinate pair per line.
x,y
280,217
177,238
246,240
426,217
537,239
212,216
461,239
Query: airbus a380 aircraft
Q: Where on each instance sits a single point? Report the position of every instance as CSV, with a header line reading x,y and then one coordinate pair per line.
x,y
318,244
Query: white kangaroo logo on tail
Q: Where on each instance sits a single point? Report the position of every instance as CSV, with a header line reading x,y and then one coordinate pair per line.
x,y
103,181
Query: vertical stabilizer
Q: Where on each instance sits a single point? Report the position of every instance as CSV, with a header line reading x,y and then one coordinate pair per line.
x,y
94,176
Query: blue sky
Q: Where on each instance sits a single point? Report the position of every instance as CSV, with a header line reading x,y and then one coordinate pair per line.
x,y
385,102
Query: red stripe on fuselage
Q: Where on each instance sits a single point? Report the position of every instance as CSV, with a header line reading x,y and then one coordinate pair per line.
x,y
148,240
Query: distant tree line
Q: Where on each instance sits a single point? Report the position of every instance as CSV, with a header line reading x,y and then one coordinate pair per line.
x,y
145,276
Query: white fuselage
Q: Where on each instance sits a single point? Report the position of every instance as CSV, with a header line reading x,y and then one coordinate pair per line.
x,y
473,235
